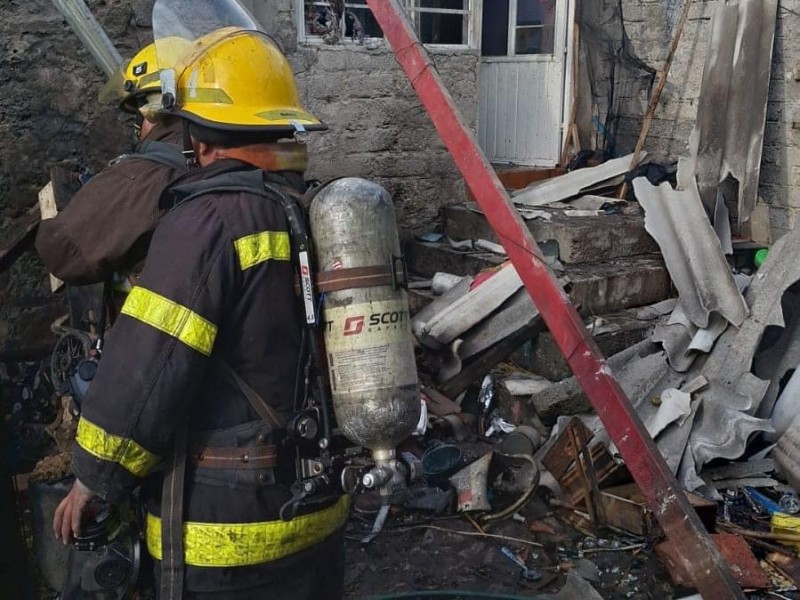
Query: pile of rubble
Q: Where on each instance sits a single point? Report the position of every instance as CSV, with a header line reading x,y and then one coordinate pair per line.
x,y
710,374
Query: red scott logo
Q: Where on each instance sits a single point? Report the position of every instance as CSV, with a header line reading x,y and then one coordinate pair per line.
x,y
353,325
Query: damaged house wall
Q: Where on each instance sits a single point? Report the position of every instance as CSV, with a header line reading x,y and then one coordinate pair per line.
x,y
50,116
378,129
650,26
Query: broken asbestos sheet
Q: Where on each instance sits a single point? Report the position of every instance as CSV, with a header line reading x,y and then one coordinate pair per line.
x,y
573,183
684,341
746,366
469,309
692,252
729,133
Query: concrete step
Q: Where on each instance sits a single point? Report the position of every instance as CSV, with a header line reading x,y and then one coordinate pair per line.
x,y
597,289
572,240
618,331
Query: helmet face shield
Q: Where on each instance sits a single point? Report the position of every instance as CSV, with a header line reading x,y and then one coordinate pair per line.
x,y
230,74
191,20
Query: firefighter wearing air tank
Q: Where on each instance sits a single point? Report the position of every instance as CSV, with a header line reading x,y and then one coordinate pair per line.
x,y
213,330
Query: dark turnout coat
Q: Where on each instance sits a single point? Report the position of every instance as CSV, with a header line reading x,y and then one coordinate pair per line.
x,y
217,289
107,225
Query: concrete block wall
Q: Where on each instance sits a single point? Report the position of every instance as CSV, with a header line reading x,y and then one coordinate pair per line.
x,y
650,25
780,165
378,129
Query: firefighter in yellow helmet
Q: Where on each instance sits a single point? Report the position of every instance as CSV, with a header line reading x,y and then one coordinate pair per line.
x,y
106,227
206,365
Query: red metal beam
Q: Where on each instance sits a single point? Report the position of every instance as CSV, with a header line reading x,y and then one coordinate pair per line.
x,y
659,486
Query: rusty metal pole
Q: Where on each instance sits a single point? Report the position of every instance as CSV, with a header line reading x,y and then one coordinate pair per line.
x,y
656,481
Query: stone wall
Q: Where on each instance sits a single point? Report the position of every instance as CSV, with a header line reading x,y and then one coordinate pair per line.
x,y
650,25
50,116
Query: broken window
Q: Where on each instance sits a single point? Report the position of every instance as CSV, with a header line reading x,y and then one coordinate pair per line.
x,y
518,27
334,21
442,22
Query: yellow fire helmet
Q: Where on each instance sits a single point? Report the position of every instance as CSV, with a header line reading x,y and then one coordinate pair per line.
x,y
239,80
141,75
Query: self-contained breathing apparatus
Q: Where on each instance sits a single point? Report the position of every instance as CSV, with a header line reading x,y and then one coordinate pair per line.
x,y
105,560
361,390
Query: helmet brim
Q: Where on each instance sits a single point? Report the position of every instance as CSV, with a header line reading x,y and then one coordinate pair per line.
x,y
218,117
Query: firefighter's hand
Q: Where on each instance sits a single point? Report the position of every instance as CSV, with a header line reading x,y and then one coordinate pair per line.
x,y
67,520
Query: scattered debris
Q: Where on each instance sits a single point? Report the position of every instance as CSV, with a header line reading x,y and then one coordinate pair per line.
x,y
576,588
575,183
626,509
581,468
527,572
736,552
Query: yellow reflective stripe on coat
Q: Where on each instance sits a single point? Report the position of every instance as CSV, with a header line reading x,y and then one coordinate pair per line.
x,y
171,318
106,446
245,544
261,247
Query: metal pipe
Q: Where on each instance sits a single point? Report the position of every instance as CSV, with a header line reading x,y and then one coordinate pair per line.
x,y
656,481
91,33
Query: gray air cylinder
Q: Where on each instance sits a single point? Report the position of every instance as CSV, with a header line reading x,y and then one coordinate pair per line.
x,y
367,328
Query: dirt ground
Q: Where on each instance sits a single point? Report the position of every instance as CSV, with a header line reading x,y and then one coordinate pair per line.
x,y
411,556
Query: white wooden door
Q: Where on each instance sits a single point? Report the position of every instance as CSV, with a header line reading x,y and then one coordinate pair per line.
x,y
523,80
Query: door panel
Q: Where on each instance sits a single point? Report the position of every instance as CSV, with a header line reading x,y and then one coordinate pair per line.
x,y
522,91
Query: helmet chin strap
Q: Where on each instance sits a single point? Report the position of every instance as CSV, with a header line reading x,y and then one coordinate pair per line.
x,y
188,147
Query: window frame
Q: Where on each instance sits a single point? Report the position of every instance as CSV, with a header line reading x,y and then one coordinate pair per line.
x,y
472,14
512,56
511,49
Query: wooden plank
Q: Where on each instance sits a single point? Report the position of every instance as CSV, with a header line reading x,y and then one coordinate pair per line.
x,y
789,566
439,404
488,361
734,549
47,202
560,456
589,473
48,210
53,198
572,129
627,509
604,469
